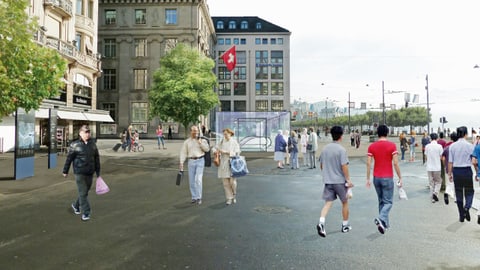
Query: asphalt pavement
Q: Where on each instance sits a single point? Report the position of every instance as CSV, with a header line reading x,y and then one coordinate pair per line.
x,y
147,222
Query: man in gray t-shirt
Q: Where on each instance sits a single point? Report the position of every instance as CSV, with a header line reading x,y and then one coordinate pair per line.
x,y
334,166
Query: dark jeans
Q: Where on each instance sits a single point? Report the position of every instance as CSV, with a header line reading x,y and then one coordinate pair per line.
x,y
84,183
462,179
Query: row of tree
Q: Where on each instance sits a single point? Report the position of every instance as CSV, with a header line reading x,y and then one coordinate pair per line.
x,y
29,73
412,116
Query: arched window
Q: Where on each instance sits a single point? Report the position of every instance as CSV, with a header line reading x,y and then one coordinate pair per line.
x,y
220,25
258,25
232,25
244,25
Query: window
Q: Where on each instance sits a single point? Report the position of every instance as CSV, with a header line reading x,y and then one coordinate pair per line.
x,y
110,16
244,25
258,25
224,74
140,47
277,72
232,25
109,79
90,9
110,107
236,41
220,25
277,57
261,73
261,105
82,86
225,89
139,112
170,43
140,79
239,106
79,8
277,105
243,41
225,106
261,89
240,73
140,16
277,88
110,49
261,57
221,41
273,41
170,16
280,41
239,89
258,41
78,41
264,41
241,57
228,41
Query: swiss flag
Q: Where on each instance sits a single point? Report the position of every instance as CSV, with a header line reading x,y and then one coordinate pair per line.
x,y
230,58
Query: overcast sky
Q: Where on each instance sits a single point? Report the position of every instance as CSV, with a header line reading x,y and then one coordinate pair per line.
x,y
347,44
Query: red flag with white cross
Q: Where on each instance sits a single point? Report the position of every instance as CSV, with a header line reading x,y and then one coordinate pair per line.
x,y
230,58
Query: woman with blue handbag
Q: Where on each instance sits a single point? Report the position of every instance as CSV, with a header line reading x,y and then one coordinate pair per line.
x,y
228,147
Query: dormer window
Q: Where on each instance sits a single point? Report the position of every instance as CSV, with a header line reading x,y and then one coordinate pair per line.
x,y
232,25
258,25
244,25
220,25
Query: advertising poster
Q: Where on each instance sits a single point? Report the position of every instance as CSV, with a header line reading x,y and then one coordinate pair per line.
x,y
52,132
24,143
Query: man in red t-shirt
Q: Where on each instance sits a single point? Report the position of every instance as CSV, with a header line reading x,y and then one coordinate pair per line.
x,y
383,152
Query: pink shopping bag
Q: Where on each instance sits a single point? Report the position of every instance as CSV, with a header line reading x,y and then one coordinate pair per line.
x,y
101,186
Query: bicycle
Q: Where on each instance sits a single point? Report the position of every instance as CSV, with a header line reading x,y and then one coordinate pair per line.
x,y
136,147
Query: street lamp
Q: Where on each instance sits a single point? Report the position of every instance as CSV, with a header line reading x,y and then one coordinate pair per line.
x,y
428,106
383,104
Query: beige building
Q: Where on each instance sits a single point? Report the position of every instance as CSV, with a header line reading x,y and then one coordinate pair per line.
x,y
133,36
260,81
70,28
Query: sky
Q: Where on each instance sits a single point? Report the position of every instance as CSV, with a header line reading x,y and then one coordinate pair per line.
x,y
341,46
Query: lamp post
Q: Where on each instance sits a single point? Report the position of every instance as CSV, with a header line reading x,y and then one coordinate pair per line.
x,y
428,106
349,112
383,104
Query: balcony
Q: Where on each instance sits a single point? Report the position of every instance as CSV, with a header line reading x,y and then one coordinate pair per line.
x,y
85,23
68,51
63,7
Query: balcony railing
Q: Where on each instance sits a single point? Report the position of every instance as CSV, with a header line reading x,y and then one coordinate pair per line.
x,y
68,50
63,5
85,23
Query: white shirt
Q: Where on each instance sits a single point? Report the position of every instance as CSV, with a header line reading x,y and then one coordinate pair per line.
x,y
433,151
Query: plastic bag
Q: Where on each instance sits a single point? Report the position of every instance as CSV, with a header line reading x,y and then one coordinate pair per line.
x,y
101,187
402,194
349,193
238,166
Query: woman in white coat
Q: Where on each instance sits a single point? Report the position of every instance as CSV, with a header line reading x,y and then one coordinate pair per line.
x,y
303,144
228,147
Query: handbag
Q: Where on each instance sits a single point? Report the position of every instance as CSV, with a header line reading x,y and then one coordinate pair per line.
x,y
101,187
216,159
309,146
179,178
238,166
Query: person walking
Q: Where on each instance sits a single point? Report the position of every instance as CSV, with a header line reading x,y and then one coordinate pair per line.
x,y
475,158
449,187
303,147
160,137
312,140
383,152
280,149
286,135
170,136
228,147
334,165
425,141
293,149
403,145
358,138
83,153
433,154
460,172
194,149
412,144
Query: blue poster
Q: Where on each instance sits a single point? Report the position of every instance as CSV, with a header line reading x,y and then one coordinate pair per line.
x,y
24,143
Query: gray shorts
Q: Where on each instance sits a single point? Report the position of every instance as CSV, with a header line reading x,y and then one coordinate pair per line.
x,y
332,191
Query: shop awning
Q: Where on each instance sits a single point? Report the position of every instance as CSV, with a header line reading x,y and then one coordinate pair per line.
x,y
71,115
98,117
41,113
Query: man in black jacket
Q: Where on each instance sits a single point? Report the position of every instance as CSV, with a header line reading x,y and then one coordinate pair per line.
x,y
86,161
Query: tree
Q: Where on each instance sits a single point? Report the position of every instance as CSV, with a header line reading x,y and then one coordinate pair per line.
x,y
183,86
29,73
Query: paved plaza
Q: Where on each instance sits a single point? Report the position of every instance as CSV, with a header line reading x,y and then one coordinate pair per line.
x,y
147,222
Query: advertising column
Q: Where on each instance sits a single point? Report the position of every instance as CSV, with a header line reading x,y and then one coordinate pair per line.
x,y
24,143
52,148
